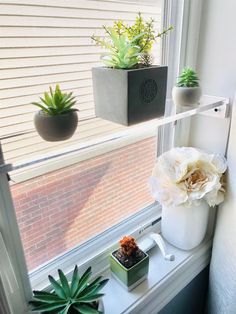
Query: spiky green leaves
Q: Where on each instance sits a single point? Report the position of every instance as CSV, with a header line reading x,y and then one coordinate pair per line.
x,y
127,43
188,78
75,297
56,102
123,54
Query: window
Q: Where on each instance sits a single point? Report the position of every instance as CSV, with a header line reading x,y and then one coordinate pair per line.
x,y
40,46
44,43
61,207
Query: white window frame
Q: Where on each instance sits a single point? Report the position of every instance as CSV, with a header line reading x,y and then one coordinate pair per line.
x,y
185,15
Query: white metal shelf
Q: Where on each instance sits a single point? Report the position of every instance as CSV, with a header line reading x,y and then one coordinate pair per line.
x,y
206,103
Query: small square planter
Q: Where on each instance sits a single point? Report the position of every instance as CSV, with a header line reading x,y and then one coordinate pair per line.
x,y
129,96
129,277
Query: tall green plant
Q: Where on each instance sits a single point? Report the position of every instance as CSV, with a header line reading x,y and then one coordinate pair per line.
x,y
79,296
129,46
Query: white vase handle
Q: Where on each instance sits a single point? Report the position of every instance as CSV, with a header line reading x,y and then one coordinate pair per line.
x,y
161,244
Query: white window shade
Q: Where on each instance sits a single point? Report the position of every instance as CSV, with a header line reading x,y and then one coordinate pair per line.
x,y
44,43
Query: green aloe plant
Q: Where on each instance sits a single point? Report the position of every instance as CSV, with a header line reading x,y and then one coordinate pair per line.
x,y
188,78
79,296
56,102
124,53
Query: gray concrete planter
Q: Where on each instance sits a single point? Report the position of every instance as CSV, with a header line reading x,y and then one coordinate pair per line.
x,y
56,128
186,96
130,96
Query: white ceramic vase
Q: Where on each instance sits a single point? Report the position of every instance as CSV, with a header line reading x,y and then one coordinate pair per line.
x,y
185,227
186,96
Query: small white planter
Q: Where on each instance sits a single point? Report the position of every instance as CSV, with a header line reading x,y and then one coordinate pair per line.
x,y
186,96
185,227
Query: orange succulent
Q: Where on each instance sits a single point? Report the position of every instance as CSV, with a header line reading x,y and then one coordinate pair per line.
x,y
128,245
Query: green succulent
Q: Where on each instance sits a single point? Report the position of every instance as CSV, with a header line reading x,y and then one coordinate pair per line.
x,y
129,45
56,102
79,296
188,78
123,53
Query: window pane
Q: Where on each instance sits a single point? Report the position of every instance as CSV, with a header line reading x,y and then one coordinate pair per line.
x,y
64,208
47,43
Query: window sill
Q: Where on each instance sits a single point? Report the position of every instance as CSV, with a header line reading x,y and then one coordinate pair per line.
x,y
165,280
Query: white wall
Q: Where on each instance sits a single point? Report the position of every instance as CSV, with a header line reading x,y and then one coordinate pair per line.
x,y
217,69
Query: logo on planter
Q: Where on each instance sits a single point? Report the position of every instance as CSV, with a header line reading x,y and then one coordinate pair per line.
x,y
148,90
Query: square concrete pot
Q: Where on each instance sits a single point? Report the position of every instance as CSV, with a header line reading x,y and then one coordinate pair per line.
x,y
129,277
129,96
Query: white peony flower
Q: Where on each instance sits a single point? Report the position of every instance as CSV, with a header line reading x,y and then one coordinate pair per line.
x,y
185,175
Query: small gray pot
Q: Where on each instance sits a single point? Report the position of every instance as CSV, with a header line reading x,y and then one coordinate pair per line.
x,y
186,96
56,128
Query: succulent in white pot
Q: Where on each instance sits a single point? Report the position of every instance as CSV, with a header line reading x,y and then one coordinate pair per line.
x,y
187,91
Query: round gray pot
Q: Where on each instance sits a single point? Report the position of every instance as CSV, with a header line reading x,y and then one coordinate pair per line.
x,y
56,128
186,96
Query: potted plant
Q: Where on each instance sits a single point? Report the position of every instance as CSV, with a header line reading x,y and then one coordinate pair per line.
x,y
79,296
187,91
129,264
129,89
57,120
186,181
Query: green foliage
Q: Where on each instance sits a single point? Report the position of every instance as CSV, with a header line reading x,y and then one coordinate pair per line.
x,y
188,78
129,43
56,102
79,296
145,42
123,53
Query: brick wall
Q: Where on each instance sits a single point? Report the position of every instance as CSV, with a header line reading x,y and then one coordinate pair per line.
x,y
62,209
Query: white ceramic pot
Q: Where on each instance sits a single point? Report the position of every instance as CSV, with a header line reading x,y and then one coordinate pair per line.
x,y
185,227
186,96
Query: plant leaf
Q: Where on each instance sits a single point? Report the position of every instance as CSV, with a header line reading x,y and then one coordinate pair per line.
x,y
64,282
48,99
58,289
92,288
90,298
85,309
65,311
47,298
41,107
75,280
83,281
49,307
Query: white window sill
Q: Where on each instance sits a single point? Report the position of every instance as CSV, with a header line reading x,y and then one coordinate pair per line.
x,y
165,280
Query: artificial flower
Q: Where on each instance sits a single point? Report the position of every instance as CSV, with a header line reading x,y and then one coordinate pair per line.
x,y
186,175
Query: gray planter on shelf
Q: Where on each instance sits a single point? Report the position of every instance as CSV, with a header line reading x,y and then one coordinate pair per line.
x,y
129,96
186,96
56,128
